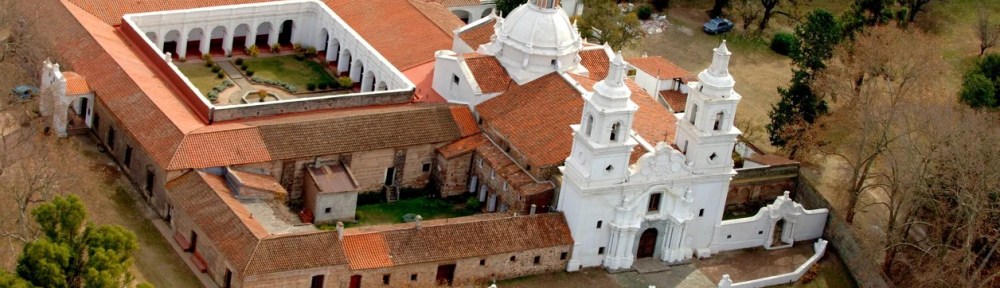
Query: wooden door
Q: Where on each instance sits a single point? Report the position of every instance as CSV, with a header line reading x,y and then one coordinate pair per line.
x,y
445,274
647,243
356,281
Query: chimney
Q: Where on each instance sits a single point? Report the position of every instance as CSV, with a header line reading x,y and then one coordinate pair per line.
x,y
316,162
416,220
532,210
340,231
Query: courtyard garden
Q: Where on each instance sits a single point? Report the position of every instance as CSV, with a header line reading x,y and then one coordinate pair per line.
x,y
403,211
291,69
202,76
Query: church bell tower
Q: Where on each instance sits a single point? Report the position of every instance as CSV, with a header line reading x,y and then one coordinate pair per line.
x,y
706,134
601,142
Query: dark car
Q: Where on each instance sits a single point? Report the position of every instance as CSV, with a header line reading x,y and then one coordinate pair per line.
x,y
717,25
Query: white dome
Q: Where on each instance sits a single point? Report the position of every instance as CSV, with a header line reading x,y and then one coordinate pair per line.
x,y
539,31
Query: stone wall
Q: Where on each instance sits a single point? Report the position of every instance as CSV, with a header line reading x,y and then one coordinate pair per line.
x,y
217,264
752,187
335,276
452,175
234,112
468,271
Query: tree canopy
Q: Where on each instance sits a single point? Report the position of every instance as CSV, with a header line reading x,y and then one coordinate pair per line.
x,y
612,26
72,253
505,6
981,83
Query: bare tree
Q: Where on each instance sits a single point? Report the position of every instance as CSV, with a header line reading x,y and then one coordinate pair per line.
x,y
769,11
747,11
877,84
986,30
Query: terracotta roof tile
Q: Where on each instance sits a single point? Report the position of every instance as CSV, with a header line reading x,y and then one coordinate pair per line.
x,y
457,3
466,122
366,251
202,150
463,146
637,152
597,62
653,122
656,64
440,15
333,179
676,100
207,200
489,74
511,172
456,239
259,181
75,84
479,34
280,253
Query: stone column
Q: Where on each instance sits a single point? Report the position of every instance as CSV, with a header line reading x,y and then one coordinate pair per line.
x,y
251,37
227,41
159,42
182,45
344,62
206,42
272,36
331,54
629,243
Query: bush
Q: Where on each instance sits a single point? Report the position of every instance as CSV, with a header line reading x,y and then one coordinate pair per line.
x,y
276,48
216,68
782,43
311,86
311,52
206,57
212,96
644,12
249,72
253,51
323,85
472,205
244,66
297,47
291,88
295,205
220,75
239,61
209,63
228,83
299,56
978,91
345,82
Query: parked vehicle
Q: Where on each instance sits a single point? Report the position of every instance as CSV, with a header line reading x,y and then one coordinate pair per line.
x,y
718,25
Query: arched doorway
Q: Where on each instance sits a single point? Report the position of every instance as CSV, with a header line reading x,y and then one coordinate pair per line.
x,y
647,243
779,228
323,42
382,87
217,38
194,42
368,81
356,68
285,33
240,38
344,63
170,42
263,34
462,14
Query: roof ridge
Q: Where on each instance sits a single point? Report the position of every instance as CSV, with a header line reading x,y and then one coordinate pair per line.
x,y
252,257
446,33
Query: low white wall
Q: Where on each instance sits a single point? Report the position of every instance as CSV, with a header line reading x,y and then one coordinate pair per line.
x,y
758,230
819,247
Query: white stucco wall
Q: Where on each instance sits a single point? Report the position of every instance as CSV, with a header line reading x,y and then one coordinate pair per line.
x,y
758,230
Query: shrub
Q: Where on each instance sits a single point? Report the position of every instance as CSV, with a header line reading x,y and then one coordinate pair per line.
x,y
644,12
262,94
255,79
311,52
209,63
216,68
213,96
244,66
276,48
297,47
977,91
183,59
253,51
228,83
311,86
239,61
299,56
249,72
333,84
472,205
345,82
291,88
783,42
295,205
323,85
206,57
220,75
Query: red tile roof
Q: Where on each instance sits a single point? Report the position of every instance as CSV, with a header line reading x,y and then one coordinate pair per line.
x,y
332,179
463,146
296,251
457,3
519,180
466,122
656,64
260,181
456,238
478,35
75,84
489,74
653,122
597,61
676,100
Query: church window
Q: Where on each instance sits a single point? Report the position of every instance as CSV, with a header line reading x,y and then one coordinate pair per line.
x,y
150,179
513,258
553,62
718,121
527,168
729,236
685,147
454,79
504,185
600,251
614,130
317,281
128,156
480,162
482,262
761,232
609,169
654,202
694,113
327,210
590,124
701,213
599,222
562,256
480,120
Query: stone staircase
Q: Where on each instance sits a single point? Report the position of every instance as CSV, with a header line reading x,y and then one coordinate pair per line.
x,y
391,193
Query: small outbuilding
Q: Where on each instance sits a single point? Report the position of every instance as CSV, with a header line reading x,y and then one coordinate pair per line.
x,y
331,193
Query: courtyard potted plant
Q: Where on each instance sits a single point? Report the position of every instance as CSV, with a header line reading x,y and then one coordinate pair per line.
x,y
262,94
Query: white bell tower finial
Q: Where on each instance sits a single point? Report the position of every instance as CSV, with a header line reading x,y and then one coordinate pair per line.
x,y
720,61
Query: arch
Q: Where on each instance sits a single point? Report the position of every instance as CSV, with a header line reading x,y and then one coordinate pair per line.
x,y
356,68
263,33
285,32
778,233
615,131
381,86
590,124
334,54
368,81
151,36
487,12
170,42
194,42
344,63
694,113
647,243
240,35
462,14
323,41
216,39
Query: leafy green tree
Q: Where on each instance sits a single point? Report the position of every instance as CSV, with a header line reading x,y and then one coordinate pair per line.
x,y
799,106
978,91
612,26
867,13
505,6
12,281
72,253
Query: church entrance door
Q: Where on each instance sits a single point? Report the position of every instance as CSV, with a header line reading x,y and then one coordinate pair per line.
x,y
647,243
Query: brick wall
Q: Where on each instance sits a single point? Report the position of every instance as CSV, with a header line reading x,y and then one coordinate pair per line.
x,y
760,185
335,276
452,176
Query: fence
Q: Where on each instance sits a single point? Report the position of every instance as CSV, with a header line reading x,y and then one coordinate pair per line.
x,y
819,247
842,238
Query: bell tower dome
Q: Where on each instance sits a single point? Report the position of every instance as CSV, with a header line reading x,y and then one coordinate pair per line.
x,y
535,39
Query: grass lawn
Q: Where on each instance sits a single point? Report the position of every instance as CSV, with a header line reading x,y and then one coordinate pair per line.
x,y
202,77
287,69
388,213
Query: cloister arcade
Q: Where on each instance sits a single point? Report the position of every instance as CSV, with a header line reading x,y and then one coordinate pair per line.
x,y
231,29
